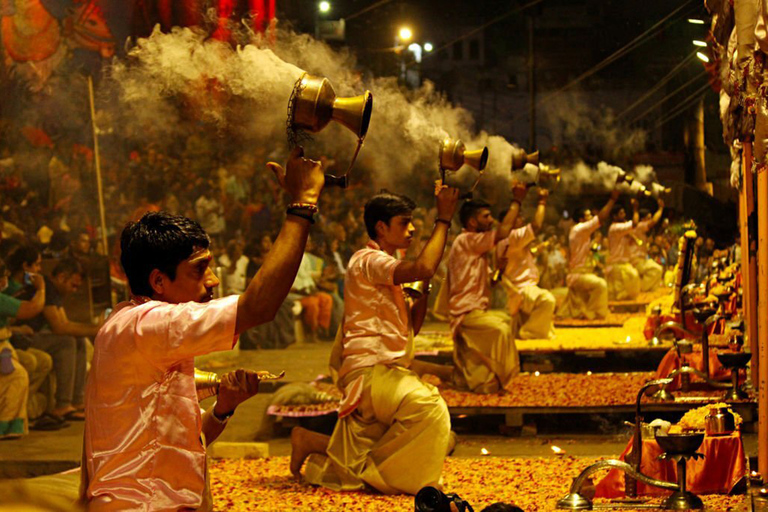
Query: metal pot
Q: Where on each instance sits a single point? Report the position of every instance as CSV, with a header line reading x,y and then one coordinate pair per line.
x,y
719,422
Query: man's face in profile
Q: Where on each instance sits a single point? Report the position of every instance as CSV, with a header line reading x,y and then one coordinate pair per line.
x,y
194,281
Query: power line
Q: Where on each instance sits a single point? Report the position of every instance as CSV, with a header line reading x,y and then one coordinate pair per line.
x,y
690,100
366,9
665,98
484,26
621,51
658,85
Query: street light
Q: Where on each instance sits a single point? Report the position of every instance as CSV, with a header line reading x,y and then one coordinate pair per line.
x,y
702,57
695,21
405,34
699,43
324,6
428,47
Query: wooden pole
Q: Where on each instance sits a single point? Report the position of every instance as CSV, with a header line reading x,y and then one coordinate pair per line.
x,y
97,161
748,253
762,316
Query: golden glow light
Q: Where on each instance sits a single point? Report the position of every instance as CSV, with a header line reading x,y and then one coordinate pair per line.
x,y
405,34
557,450
484,451
428,47
702,44
702,57
324,6
695,21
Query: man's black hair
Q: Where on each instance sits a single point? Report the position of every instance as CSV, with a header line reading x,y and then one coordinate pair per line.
x,y
616,210
643,213
578,214
382,207
27,253
160,241
68,266
469,208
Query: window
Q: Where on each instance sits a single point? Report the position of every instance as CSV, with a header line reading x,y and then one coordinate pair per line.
x,y
474,50
458,50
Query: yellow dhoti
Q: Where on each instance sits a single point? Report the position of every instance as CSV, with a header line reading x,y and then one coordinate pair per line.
x,y
623,281
535,308
587,297
650,274
395,440
484,351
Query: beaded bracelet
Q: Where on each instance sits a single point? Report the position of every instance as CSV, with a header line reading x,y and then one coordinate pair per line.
x,y
303,206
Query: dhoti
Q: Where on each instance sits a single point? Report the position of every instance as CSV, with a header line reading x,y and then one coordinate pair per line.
x,y
534,307
394,441
650,274
484,351
587,297
623,282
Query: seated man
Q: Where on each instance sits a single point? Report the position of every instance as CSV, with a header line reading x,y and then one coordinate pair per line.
x,y
623,279
484,349
587,293
650,271
145,438
532,307
393,431
15,381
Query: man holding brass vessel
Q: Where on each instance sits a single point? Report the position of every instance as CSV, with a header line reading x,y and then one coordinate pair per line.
x,y
484,349
145,437
622,277
650,271
533,307
393,431
587,293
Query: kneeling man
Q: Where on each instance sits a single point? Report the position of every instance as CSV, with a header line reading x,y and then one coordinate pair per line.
x,y
393,431
622,277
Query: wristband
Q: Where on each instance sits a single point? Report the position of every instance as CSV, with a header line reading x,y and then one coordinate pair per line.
x,y
303,206
304,214
443,221
221,420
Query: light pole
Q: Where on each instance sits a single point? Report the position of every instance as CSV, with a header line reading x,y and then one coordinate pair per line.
x,y
323,8
404,35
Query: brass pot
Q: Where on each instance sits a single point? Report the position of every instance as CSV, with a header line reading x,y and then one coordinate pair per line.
x,y
720,422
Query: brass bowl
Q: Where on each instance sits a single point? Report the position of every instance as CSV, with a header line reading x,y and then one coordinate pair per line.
x,y
680,444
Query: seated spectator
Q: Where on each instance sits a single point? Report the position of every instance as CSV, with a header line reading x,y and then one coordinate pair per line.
x,y
317,306
64,340
14,379
234,264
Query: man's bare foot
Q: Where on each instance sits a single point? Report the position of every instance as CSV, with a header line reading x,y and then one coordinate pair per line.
x,y
300,450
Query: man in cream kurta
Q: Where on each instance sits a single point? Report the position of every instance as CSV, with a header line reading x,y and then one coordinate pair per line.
x,y
144,439
622,277
587,293
650,271
393,431
532,307
484,349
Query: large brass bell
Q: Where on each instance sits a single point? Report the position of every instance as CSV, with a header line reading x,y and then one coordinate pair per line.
x,y
454,154
314,104
520,158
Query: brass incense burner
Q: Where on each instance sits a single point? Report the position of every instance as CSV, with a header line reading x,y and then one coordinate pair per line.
x,y
314,104
452,156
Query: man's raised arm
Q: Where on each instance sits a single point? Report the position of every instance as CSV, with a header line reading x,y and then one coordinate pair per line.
x,y
518,195
303,179
541,210
605,212
428,260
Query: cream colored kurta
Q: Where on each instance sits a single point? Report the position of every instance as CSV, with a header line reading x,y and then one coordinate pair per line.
x,y
484,350
534,307
650,272
623,279
587,293
142,442
393,429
